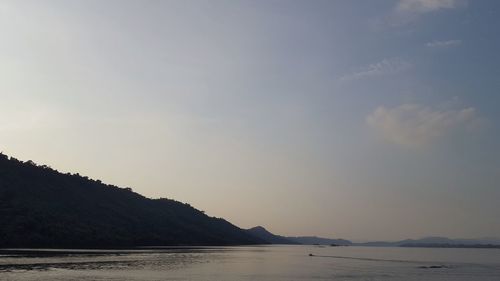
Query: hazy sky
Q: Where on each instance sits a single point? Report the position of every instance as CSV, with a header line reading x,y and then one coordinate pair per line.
x,y
354,119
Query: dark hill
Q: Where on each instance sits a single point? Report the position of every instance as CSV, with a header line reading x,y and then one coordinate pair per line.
x,y
267,236
40,207
312,240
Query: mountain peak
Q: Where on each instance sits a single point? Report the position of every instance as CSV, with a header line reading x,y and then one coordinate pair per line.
x,y
259,228
264,234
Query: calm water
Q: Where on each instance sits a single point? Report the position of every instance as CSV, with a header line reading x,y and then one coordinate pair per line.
x,y
255,263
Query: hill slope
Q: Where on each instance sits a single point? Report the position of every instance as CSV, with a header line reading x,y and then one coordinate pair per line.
x,y
40,207
267,236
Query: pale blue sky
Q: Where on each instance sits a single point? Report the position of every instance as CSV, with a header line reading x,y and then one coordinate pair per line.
x,y
355,119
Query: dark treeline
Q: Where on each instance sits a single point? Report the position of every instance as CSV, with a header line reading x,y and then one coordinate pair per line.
x,y
41,207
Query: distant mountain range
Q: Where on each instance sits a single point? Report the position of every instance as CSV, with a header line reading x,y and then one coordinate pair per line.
x,y
433,242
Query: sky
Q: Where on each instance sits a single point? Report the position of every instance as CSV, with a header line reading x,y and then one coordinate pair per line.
x,y
366,120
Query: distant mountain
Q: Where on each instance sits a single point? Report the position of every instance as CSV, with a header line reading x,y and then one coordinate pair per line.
x,y
489,240
434,242
271,238
454,245
41,207
429,240
267,236
377,244
313,240
492,241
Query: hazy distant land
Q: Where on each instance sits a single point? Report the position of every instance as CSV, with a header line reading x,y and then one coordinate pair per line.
x,y
263,233
427,242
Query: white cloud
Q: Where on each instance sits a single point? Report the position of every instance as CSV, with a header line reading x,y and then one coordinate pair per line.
x,y
425,6
443,44
384,67
415,125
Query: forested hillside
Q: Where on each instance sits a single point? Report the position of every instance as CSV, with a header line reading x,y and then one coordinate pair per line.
x,y
41,207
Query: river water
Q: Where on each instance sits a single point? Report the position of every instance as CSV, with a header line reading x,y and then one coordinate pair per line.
x,y
253,263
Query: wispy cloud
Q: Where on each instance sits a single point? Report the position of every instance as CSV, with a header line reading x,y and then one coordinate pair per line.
x,y
407,11
415,125
443,44
381,68
426,6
